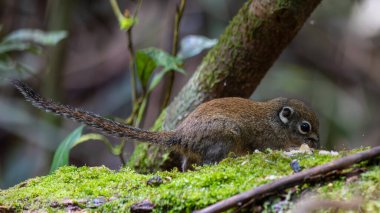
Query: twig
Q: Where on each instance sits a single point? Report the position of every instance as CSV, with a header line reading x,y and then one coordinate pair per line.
x,y
331,176
121,156
132,69
131,51
291,180
177,22
132,64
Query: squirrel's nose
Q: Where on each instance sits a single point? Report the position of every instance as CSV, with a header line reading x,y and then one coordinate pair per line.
x,y
313,140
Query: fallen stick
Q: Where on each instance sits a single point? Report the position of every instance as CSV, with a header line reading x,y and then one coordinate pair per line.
x,y
291,180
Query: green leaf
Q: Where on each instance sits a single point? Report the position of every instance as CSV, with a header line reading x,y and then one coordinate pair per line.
x,y
145,66
164,59
192,45
149,59
98,137
36,36
61,156
156,79
7,65
19,46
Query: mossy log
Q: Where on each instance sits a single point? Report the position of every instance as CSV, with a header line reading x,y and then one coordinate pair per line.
x,y
102,190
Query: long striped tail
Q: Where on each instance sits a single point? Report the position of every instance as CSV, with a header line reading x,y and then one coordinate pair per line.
x,y
105,125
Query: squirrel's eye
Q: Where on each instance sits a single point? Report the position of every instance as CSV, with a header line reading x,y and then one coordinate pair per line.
x,y
305,127
285,114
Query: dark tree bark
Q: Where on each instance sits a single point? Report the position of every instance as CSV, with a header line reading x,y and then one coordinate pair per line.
x,y
235,66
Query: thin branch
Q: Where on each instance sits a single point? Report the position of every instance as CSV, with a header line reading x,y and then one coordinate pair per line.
x,y
132,68
131,51
329,177
178,18
177,23
291,180
139,2
132,64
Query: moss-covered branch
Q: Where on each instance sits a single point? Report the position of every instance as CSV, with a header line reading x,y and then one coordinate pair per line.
x,y
100,189
322,172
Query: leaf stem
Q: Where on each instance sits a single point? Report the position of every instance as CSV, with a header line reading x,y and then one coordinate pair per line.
x,y
132,68
180,9
132,64
116,9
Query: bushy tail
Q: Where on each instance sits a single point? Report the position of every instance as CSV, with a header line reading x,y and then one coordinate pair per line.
x,y
107,126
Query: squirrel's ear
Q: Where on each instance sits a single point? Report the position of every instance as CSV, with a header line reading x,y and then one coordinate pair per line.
x,y
285,114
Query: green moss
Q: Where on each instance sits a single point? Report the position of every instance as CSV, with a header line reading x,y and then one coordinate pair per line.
x,y
366,188
179,191
225,56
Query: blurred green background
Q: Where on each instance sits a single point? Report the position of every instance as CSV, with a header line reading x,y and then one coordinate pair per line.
x,y
333,64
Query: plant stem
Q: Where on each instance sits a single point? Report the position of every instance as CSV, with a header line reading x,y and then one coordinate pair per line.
x,y
177,22
121,156
116,9
132,68
132,65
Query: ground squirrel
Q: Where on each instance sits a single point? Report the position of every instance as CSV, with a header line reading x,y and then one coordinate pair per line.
x,y
213,129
